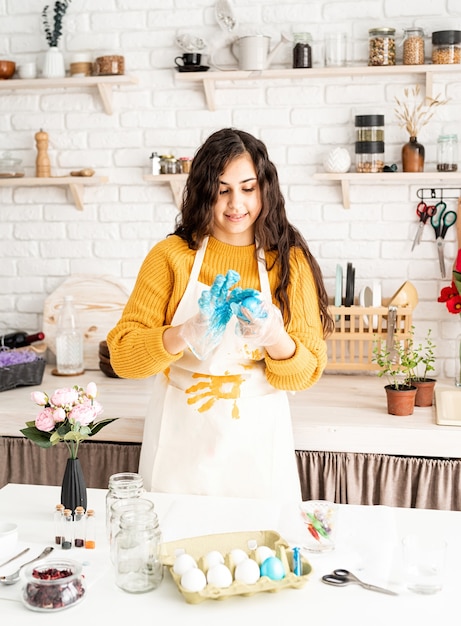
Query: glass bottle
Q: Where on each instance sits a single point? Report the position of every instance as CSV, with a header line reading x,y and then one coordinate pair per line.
x,y
68,530
69,340
122,485
381,46
413,155
79,527
138,567
413,46
447,153
90,530
58,518
302,50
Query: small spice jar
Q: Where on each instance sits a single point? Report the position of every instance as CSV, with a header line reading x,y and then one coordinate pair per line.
x,y
381,46
302,50
446,47
185,164
447,153
413,46
369,128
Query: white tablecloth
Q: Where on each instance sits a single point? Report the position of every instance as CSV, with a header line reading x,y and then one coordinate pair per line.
x,y
368,543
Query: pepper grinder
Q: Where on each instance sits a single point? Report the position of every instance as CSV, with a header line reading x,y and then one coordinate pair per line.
x,y
42,163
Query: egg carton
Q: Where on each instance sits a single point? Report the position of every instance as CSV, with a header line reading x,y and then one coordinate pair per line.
x,y
198,547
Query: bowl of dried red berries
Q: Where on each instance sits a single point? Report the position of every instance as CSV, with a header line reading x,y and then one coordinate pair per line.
x,y
53,586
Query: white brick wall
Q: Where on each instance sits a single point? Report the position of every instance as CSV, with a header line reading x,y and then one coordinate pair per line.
x,y
44,239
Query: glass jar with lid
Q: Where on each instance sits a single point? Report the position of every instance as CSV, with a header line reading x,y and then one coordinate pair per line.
x,y
302,50
369,128
369,157
447,153
381,46
413,46
446,47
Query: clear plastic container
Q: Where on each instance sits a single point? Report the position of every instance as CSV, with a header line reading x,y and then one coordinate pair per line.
x,y
369,156
447,153
53,585
302,50
446,47
381,46
413,46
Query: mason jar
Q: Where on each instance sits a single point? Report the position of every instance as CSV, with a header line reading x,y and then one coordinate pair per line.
x,y
413,46
122,486
447,153
302,50
381,46
138,565
118,508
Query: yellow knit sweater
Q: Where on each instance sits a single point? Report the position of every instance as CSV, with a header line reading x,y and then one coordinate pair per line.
x,y
136,346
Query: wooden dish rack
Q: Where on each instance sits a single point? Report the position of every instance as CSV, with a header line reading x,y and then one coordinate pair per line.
x,y
357,328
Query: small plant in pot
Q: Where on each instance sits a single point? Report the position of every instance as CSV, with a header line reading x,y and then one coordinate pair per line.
x,y
424,357
397,364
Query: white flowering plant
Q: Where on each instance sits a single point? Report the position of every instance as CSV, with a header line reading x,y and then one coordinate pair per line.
x,y
67,415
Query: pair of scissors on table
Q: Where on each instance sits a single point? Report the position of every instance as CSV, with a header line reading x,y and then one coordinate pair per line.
x,y
441,222
424,212
342,577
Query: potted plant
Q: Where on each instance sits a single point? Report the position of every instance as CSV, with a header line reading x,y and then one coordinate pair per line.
x,y
53,65
424,360
397,364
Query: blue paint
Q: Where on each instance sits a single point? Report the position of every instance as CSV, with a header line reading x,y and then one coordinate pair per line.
x,y
214,304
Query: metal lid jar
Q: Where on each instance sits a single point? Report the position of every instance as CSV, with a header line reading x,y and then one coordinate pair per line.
x,y
381,46
446,47
413,46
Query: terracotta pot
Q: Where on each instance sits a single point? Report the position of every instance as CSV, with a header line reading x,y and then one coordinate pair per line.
x,y
400,401
424,391
413,154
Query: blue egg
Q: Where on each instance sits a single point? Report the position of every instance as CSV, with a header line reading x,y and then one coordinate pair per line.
x,y
272,567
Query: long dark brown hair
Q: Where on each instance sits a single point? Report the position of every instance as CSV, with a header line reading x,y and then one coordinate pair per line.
x,y
273,231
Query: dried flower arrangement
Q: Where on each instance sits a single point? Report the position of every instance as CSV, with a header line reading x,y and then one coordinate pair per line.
x,y
412,113
53,34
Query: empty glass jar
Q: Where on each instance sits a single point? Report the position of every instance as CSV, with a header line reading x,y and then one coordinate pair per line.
x,y
122,486
447,153
138,566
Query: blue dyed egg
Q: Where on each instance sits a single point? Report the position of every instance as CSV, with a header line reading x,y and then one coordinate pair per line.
x,y
273,568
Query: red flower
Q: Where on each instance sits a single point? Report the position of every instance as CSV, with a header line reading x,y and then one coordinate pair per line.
x,y
447,293
454,304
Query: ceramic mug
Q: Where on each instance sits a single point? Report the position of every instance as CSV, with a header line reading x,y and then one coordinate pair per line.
x,y
27,70
188,59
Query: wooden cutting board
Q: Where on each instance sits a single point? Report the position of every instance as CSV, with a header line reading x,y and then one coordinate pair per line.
x,y
99,300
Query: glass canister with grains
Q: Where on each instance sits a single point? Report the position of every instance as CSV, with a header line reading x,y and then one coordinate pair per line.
x,y
413,46
381,46
446,47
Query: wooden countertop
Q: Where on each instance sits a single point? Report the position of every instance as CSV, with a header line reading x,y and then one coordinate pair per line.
x,y
341,413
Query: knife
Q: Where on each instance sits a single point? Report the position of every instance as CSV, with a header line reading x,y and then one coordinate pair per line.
x,y
15,557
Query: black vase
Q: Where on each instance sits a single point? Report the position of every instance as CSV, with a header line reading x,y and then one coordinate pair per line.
x,y
73,489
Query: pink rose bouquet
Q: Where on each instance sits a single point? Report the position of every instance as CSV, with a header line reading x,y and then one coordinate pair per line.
x,y
67,415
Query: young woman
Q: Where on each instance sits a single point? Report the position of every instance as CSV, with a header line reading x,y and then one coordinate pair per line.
x,y
219,421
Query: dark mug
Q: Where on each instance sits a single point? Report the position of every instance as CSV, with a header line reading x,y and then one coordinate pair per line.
x,y
188,58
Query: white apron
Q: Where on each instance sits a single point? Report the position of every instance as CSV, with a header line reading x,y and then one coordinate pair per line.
x,y
217,427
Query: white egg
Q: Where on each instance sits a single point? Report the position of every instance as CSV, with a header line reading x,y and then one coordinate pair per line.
x,y
247,572
219,575
183,563
238,555
212,558
193,580
262,553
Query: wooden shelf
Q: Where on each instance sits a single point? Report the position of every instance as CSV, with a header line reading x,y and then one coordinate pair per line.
x,y
176,182
75,184
209,79
385,177
104,85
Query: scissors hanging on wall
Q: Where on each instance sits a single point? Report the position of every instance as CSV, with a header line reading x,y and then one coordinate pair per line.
x,y
424,212
441,221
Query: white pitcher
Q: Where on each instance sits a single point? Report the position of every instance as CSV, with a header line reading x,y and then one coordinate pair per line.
x,y
252,53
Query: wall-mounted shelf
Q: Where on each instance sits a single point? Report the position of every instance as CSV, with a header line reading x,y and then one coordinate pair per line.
x,y
75,184
176,182
209,79
385,177
104,85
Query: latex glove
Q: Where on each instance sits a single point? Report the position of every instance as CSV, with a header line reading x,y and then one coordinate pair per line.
x,y
259,322
204,331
